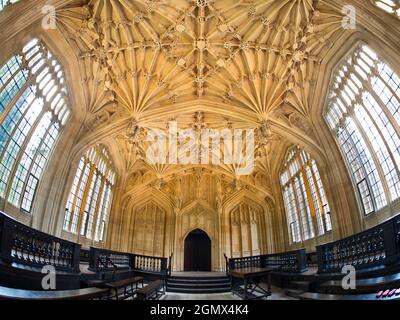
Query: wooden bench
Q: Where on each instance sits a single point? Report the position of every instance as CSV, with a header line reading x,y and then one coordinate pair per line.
x,y
125,284
153,291
79,294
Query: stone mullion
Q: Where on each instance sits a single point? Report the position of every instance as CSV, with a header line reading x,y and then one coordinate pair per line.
x,y
286,204
107,214
309,199
371,148
305,203
25,183
154,222
17,96
352,115
384,108
85,198
362,167
359,101
144,226
374,158
298,211
99,207
86,163
46,108
30,80
366,86
21,152
249,236
16,128
301,174
91,203
340,117
39,94
319,198
305,227
383,139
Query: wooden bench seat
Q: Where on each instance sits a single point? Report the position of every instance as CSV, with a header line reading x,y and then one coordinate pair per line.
x,y
79,294
153,291
96,283
125,284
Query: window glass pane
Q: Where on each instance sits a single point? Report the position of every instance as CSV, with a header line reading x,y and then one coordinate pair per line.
x,y
322,197
74,189
391,6
89,201
379,148
367,130
30,126
304,197
5,3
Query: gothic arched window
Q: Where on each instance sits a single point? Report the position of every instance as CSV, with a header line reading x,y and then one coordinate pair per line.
x,y
391,6
363,111
33,109
89,201
304,197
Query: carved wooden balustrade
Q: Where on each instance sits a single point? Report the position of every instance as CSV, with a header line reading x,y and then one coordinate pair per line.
x,y
107,260
292,262
85,255
22,244
149,264
374,247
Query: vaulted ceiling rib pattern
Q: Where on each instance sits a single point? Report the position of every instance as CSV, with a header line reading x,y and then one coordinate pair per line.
x,y
253,55
206,64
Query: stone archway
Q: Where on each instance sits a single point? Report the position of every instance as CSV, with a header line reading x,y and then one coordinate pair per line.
x,y
197,251
197,216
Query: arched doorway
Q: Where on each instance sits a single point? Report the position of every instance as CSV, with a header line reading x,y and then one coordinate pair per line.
x,y
197,251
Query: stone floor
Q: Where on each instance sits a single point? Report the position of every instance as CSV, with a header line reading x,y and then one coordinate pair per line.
x,y
277,294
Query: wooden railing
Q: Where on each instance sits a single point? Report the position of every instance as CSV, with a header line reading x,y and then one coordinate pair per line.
x,y
149,264
107,260
374,247
170,264
312,259
85,255
22,244
292,262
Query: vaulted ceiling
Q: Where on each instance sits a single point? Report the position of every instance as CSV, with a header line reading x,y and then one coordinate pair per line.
x,y
214,64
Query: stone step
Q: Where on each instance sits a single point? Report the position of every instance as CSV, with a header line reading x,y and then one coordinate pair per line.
x,y
198,284
219,278
199,290
195,281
